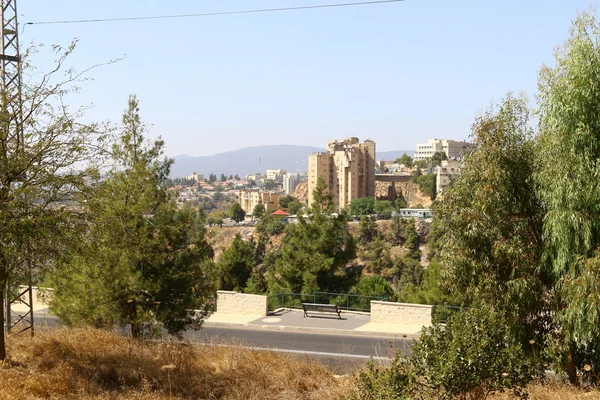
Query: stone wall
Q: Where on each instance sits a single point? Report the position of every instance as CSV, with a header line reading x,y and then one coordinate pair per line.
x,y
384,312
41,296
240,303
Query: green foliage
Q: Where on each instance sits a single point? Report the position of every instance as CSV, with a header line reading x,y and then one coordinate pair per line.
x,y
257,284
259,211
384,383
271,225
294,206
236,212
437,158
397,230
236,264
490,221
474,353
568,169
373,286
284,201
367,230
406,160
427,184
400,202
384,208
43,169
142,260
314,253
362,206
376,255
473,356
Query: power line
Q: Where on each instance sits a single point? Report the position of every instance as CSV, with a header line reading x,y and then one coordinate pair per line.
x,y
264,10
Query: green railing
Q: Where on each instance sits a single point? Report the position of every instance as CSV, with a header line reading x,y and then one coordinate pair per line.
x,y
345,301
441,314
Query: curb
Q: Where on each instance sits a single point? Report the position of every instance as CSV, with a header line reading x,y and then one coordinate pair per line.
x,y
328,331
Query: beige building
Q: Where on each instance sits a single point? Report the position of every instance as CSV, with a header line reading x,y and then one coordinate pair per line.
x,y
448,171
453,149
348,168
251,198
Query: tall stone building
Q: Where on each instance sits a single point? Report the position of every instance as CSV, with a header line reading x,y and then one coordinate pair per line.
x,y
348,168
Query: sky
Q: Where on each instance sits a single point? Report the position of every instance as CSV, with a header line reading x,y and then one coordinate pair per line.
x,y
396,73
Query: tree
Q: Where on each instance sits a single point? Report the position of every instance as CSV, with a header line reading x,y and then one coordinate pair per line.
x,y
362,206
236,212
314,253
294,207
212,178
384,208
400,202
437,158
367,230
284,201
259,211
489,223
236,263
376,255
567,175
406,160
223,178
142,260
42,166
397,230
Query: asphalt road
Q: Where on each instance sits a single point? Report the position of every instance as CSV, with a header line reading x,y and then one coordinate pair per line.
x,y
341,352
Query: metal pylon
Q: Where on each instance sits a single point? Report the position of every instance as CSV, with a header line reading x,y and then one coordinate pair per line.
x,y
11,117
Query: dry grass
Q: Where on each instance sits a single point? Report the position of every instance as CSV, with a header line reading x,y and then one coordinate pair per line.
x,y
554,391
95,364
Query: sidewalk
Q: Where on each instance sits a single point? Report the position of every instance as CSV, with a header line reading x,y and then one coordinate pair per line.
x,y
288,319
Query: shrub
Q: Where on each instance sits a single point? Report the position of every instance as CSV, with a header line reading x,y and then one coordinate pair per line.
x,y
474,354
472,357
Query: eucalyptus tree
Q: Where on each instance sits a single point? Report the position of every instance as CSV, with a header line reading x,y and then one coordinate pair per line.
x,y
568,176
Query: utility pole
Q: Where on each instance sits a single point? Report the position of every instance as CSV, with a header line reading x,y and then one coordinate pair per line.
x,y
11,114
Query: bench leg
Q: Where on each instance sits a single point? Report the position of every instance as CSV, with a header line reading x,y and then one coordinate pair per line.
x,y
305,314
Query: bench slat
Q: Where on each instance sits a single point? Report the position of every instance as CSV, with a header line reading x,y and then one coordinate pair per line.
x,y
333,308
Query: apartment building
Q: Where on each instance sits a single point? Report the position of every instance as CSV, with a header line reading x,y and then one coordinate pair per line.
x,y
275,174
251,198
290,181
348,168
453,149
195,177
445,173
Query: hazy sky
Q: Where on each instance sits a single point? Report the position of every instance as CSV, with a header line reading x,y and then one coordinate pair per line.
x,y
397,73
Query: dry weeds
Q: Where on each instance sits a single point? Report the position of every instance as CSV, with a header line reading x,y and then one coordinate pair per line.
x,y
95,364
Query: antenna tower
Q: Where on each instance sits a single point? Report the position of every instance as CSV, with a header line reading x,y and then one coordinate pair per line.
x,y
11,120
259,166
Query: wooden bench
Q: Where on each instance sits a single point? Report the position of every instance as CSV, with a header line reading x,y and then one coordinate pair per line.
x,y
324,308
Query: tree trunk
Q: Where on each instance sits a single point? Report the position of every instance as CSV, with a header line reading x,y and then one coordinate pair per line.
x,y
571,369
3,294
136,331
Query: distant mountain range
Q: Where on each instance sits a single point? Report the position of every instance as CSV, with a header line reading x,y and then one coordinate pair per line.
x,y
245,161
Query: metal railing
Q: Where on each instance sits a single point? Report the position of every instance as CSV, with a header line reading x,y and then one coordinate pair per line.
x,y
441,314
345,301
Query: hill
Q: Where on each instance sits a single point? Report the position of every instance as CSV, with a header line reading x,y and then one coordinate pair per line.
x,y
244,161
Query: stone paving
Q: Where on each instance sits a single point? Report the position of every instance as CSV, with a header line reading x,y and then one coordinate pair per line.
x,y
295,318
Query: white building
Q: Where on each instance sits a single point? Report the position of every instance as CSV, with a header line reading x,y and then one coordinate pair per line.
x,y
290,181
445,173
195,177
275,174
453,149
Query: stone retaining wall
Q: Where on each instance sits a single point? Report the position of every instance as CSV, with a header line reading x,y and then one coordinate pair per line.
x,y
385,312
241,303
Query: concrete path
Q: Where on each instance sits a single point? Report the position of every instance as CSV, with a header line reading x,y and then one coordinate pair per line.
x,y
288,319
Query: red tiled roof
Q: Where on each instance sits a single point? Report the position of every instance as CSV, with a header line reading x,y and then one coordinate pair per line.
x,y
280,212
